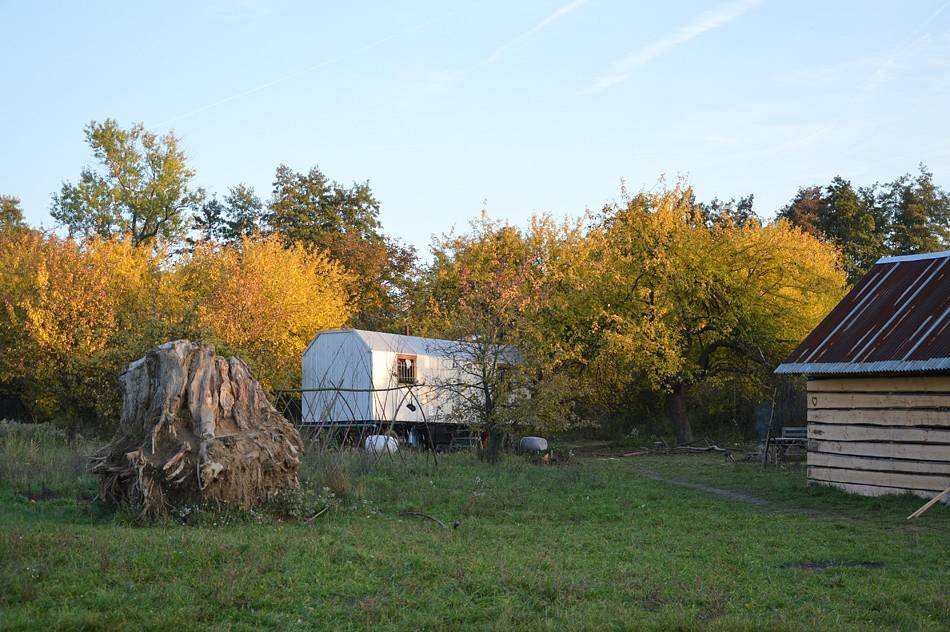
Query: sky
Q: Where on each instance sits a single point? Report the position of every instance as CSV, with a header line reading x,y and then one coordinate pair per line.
x,y
518,108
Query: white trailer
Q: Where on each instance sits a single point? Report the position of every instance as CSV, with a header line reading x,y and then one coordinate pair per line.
x,y
352,376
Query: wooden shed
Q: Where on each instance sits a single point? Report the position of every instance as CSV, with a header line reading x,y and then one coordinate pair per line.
x,y
878,369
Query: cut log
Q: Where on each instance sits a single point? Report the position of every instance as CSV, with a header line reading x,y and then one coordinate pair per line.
x,y
195,427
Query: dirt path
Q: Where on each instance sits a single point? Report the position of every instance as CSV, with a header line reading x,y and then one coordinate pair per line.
x,y
709,489
742,498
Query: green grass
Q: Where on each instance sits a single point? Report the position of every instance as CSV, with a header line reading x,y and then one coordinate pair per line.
x,y
588,545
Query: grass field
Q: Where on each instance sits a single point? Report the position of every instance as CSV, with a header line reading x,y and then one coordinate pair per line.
x,y
597,543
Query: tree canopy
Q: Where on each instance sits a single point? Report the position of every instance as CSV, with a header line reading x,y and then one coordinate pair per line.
x,y
907,216
142,189
11,213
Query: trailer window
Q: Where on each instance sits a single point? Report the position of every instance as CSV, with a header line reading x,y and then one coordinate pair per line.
x,y
406,369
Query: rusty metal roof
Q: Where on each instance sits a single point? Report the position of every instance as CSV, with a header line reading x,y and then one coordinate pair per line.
x,y
895,320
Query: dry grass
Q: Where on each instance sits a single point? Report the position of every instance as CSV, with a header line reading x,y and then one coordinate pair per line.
x,y
40,459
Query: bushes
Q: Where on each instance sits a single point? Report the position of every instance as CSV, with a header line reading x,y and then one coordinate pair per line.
x,y
73,314
264,302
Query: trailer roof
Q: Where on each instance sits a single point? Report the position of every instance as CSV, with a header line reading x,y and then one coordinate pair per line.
x,y
411,345
894,320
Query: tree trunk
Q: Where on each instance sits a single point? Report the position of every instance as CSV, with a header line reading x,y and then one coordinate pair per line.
x,y
679,414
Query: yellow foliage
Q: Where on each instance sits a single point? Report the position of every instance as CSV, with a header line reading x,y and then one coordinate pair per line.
x,y
265,302
73,315
688,302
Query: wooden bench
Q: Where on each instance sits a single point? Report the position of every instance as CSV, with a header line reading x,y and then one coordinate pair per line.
x,y
791,437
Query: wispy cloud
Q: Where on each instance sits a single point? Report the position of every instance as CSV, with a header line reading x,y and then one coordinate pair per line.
x,y
622,68
558,13
893,60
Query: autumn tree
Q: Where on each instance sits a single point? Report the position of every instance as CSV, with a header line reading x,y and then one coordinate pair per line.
x,y
264,302
732,212
312,210
504,294
142,190
844,216
684,303
805,211
72,314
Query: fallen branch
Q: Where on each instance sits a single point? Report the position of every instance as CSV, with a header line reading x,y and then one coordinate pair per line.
x,y
424,515
712,448
317,515
930,503
637,453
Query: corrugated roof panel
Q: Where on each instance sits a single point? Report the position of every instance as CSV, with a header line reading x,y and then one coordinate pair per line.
x,y
896,319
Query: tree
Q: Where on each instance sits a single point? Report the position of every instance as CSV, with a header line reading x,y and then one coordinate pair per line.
x,y
733,212
309,209
685,304
909,215
502,294
919,211
11,214
263,302
845,217
240,215
850,222
142,191
72,314
805,211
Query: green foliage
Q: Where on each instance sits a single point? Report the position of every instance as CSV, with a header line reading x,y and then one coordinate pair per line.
x,y
907,216
237,217
919,211
142,191
309,209
11,214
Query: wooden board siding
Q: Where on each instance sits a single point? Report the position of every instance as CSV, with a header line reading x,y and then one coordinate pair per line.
x,y
843,461
878,400
881,417
876,436
937,383
848,432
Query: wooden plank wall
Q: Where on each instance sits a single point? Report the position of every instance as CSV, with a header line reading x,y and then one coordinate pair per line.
x,y
876,436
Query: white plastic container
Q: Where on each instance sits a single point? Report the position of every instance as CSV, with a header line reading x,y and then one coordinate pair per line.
x,y
533,444
380,444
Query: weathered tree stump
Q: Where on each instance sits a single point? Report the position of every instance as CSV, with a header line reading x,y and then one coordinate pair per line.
x,y
195,427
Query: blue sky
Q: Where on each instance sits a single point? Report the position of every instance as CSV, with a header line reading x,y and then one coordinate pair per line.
x,y
518,107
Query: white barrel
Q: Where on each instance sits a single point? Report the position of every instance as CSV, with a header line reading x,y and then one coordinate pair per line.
x,y
533,444
380,444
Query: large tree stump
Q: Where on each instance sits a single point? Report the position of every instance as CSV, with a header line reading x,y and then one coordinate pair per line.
x,y
195,427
